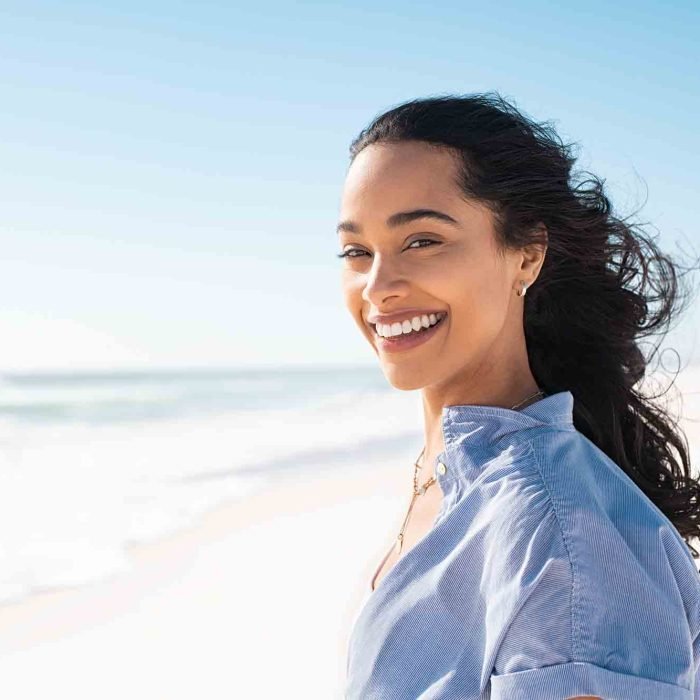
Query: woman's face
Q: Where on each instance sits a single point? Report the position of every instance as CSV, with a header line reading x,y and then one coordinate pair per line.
x,y
458,273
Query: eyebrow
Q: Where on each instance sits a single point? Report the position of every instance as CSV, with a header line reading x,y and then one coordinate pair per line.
x,y
401,218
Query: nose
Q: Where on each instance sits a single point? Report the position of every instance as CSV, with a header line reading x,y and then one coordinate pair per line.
x,y
383,280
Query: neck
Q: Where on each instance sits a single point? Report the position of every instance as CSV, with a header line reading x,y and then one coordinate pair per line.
x,y
518,393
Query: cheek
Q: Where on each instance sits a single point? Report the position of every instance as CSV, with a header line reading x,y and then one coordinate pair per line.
x,y
351,290
476,304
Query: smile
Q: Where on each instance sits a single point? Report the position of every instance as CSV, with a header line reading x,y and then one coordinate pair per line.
x,y
405,341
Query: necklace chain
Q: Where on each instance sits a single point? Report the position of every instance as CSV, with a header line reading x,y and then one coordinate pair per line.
x,y
398,545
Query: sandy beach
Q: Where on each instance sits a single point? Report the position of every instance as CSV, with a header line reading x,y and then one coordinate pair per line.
x,y
255,601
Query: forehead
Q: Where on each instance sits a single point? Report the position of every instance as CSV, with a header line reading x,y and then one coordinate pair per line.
x,y
387,177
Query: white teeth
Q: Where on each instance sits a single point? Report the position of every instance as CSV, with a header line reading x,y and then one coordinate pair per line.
x,y
409,325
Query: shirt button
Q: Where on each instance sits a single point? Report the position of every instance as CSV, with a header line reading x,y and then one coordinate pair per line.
x,y
441,468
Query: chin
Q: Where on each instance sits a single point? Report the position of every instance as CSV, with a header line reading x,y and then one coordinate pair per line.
x,y
403,380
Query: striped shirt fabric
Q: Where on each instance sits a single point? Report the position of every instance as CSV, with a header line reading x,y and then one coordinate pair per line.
x,y
547,574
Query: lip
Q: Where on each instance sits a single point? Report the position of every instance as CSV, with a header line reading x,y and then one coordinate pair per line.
x,y
406,342
401,315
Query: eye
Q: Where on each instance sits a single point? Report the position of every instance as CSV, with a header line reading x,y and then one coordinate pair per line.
x,y
347,253
423,240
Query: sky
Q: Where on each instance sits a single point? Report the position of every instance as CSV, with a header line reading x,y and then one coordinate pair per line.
x,y
171,172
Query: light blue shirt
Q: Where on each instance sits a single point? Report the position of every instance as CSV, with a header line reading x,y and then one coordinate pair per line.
x,y
547,574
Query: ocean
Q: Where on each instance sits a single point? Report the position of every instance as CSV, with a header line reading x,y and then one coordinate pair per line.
x,y
93,461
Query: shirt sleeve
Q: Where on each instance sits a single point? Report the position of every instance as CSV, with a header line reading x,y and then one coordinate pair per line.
x,y
561,623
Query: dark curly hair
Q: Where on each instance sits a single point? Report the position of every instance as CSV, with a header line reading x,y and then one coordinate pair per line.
x,y
592,301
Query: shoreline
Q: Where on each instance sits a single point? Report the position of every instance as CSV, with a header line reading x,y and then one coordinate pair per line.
x,y
47,616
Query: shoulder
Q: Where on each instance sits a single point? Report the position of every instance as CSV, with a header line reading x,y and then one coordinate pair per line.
x,y
633,576
608,523
525,546
590,577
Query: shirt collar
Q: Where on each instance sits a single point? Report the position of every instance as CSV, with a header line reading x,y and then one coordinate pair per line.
x,y
473,434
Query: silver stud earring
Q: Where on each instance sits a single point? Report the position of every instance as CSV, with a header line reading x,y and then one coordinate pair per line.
x,y
524,289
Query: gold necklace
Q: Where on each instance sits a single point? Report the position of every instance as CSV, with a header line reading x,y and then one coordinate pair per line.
x,y
398,545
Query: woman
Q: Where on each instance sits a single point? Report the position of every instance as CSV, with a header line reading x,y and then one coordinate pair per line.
x,y
545,552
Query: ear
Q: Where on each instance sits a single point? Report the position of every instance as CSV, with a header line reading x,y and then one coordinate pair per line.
x,y
533,255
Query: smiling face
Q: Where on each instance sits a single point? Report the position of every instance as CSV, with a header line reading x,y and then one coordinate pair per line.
x,y
455,268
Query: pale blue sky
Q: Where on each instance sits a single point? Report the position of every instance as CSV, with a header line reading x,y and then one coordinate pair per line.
x,y
171,172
